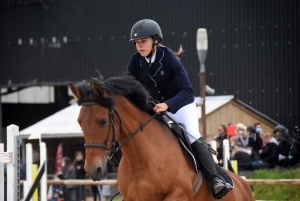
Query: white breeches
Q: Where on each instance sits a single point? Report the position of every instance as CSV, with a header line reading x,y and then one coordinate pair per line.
x,y
187,115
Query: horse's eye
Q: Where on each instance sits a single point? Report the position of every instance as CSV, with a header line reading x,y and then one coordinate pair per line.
x,y
102,122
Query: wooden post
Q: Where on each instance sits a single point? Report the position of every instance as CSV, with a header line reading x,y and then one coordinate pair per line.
x,y
203,115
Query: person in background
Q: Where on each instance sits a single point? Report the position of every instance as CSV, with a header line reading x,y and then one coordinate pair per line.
x,y
259,130
255,142
243,158
243,138
232,142
294,153
68,173
222,135
284,144
80,174
55,192
268,154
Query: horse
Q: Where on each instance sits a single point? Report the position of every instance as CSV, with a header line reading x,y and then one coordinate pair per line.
x,y
115,115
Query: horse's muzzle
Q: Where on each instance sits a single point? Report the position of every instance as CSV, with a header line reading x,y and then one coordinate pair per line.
x,y
99,172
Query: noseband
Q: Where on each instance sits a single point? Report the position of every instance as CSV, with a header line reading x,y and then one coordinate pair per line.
x,y
114,149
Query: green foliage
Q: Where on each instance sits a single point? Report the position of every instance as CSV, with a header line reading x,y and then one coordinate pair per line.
x,y
264,192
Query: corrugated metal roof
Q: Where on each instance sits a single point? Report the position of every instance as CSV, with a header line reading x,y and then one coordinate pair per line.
x,y
61,124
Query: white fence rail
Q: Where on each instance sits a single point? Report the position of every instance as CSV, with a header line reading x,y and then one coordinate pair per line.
x,y
12,160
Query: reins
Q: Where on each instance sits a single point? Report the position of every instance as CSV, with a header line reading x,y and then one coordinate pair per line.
x,y
114,149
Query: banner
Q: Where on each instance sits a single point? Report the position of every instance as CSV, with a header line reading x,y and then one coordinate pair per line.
x,y
58,159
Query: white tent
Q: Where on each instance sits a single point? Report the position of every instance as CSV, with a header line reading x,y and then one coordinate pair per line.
x,y
61,124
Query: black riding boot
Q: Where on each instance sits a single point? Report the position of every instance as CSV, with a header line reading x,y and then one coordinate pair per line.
x,y
208,167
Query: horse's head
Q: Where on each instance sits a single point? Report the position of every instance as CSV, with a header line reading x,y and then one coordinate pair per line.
x,y
99,118
97,126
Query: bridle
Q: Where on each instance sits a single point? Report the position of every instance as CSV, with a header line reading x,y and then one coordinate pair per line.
x,y
114,148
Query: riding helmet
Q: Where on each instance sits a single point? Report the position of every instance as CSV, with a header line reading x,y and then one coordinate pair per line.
x,y
145,28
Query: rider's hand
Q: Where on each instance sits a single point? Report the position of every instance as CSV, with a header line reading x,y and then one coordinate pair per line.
x,y
160,107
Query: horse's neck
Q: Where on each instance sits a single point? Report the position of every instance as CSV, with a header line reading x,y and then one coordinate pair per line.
x,y
146,142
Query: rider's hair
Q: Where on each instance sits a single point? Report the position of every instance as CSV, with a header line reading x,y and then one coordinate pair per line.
x,y
179,51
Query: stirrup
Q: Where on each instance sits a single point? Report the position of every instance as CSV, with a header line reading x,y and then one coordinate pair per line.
x,y
218,187
222,192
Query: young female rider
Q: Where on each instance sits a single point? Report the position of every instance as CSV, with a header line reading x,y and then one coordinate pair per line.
x,y
167,82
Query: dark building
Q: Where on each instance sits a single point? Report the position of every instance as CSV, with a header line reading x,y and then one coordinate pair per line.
x,y
253,50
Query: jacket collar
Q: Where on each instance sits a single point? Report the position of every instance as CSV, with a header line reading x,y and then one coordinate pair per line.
x,y
157,63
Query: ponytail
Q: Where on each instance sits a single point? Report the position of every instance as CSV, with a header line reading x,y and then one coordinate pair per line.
x,y
177,54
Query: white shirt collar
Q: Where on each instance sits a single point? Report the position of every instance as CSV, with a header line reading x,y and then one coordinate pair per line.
x,y
152,58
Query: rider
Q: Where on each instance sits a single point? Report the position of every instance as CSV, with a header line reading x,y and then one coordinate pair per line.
x,y
167,82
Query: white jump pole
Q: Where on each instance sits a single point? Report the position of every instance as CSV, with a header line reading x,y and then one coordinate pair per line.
x,y
27,184
43,159
213,145
226,153
13,168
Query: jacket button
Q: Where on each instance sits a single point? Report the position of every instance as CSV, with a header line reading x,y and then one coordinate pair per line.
x,y
162,98
155,85
159,92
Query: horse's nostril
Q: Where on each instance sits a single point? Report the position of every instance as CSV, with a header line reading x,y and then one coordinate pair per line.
x,y
99,170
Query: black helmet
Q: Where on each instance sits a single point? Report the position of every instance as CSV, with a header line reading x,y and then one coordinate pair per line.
x,y
297,130
278,128
145,28
251,128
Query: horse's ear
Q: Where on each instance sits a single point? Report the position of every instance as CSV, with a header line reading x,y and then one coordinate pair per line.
x,y
76,92
99,91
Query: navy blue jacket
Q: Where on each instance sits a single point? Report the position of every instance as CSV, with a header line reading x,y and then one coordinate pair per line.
x,y
166,80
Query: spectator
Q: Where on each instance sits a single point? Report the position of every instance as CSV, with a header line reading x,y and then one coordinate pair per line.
x,y
243,158
54,192
222,135
243,138
255,142
68,173
284,143
259,130
233,141
222,132
80,174
294,153
268,154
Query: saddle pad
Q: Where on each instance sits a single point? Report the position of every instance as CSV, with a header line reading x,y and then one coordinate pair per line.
x,y
184,141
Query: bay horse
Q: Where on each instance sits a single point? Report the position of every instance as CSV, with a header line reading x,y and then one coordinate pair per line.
x,y
153,166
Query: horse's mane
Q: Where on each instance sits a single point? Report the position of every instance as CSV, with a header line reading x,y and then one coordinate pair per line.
x,y
126,85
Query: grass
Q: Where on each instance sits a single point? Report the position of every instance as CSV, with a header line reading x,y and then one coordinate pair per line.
x,y
264,192
118,198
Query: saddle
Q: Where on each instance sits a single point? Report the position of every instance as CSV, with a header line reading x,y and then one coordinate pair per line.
x,y
182,136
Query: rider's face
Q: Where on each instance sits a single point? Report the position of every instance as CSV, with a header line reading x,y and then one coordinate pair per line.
x,y
144,46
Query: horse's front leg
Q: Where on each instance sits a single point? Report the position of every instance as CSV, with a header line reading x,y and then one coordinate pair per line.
x,y
180,194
